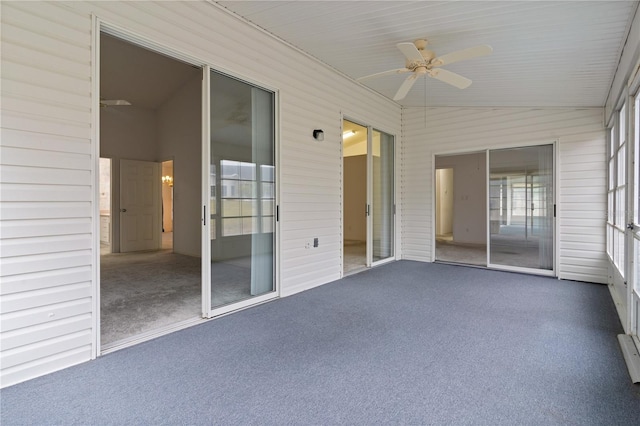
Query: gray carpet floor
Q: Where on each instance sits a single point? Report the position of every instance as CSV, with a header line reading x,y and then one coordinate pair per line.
x,y
404,343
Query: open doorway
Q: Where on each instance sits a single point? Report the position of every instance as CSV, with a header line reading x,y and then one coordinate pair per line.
x,y
460,214
167,205
105,206
354,151
151,275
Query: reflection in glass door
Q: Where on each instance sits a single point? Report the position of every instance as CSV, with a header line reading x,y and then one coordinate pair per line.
x,y
521,207
242,191
382,199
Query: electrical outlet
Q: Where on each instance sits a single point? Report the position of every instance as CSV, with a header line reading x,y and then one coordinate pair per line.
x,y
315,242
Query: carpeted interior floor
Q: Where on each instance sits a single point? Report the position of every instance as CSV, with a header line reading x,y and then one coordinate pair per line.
x,y
148,291
404,343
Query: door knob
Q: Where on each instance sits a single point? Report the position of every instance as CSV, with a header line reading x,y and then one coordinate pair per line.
x,y
123,210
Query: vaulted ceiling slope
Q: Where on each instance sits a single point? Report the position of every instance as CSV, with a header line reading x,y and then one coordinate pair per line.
x,y
545,53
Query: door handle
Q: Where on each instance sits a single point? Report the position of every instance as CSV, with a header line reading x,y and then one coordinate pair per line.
x,y
123,210
631,226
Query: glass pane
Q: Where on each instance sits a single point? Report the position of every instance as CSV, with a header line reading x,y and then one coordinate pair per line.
x,y
383,199
622,133
243,147
622,166
231,208
249,208
620,207
636,249
525,237
267,207
267,224
636,144
230,169
612,138
230,188
231,227
612,174
267,173
609,241
621,252
247,189
247,171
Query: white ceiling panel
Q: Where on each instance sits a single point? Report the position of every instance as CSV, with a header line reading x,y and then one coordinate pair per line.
x,y
545,53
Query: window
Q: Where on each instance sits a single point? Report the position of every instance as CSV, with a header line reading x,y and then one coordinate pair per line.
x,y
247,194
617,189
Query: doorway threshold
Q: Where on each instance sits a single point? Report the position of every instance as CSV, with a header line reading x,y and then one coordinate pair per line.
x,y
469,265
150,335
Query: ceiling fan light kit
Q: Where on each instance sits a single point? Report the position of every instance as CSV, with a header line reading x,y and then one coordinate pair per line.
x,y
420,61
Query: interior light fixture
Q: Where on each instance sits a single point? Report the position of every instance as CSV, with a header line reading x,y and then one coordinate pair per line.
x,y
168,180
348,133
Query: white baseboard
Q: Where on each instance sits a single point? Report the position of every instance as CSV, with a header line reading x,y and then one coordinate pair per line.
x,y
631,357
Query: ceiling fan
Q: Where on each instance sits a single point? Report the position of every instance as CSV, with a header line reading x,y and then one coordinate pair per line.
x,y
113,102
421,61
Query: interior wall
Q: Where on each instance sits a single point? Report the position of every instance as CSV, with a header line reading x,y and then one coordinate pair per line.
x,y
355,198
180,138
469,196
444,201
126,132
580,171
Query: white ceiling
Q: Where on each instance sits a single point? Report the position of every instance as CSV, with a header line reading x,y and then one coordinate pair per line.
x,y
546,53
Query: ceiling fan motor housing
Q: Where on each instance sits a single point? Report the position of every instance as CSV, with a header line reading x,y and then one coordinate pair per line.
x,y
427,55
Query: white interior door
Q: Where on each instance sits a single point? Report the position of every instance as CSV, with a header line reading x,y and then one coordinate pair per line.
x,y
140,206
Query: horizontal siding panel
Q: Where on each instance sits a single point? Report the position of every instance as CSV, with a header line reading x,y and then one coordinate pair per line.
x,y
44,176
44,142
39,367
35,158
48,296
26,336
56,22
44,228
43,245
51,210
52,110
27,122
44,280
11,358
31,39
44,314
51,94
21,192
20,72
44,262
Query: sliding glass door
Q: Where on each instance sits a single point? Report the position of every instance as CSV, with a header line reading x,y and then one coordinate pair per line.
x,y
521,208
368,197
242,187
382,196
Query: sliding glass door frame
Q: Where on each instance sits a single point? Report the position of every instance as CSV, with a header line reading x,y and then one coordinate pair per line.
x,y
209,311
546,272
370,197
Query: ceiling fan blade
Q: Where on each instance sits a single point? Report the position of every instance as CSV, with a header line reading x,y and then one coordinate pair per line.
x,y
410,51
405,87
450,78
114,102
460,55
380,74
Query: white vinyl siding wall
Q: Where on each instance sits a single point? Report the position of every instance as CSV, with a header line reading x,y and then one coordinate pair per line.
x,y
46,204
47,165
581,170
